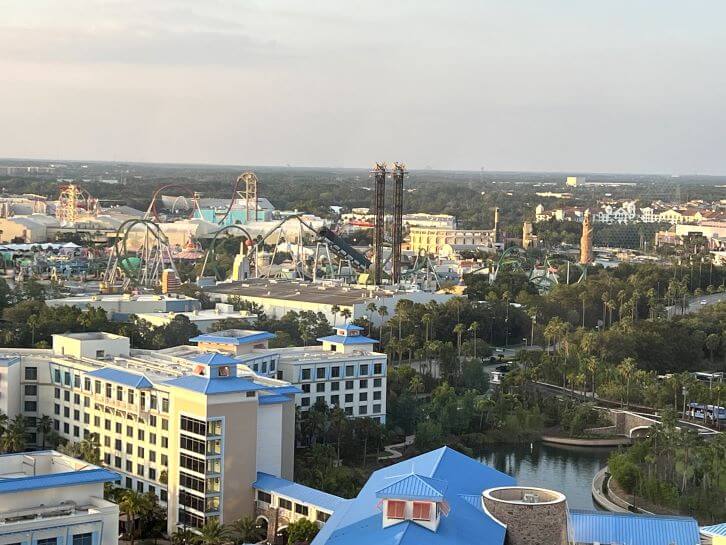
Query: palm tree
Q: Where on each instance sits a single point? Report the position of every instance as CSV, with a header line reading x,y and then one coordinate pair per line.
x,y
592,363
184,536
626,370
473,328
132,505
346,313
427,319
3,423
459,331
90,448
213,533
13,439
416,385
45,426
382,312
245,530
335,309
371,308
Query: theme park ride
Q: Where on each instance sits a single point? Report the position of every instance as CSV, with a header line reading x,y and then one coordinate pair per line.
x,y
553,269
74,201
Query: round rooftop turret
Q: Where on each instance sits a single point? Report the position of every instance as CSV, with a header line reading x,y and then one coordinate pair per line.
x,y
533,516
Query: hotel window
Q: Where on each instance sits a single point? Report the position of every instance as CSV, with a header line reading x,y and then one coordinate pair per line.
x,y
97,386
31,390
140,434
164,424
119,427
263,367
350,370
56,393
301,509
129,466
364,369
190,481
76,381
363,396
31,373
264,497
129,431
140,452
67,378
320,399
349,411
334,400
192,425
152,438
214,428
153,402
48,541
305,374
66,412
139,469
117,461
106,441
152,456
140,487
305,401
376,408
31,406
109,390
56,375
164,442
119,393
335,372
191,444
363,383
363,409
130,396
76,415
272,365
66,395
117,444
87,384
320,387
164,460
349,384
322,517
129,449
395,509
320,372
191,463
335,386
152,418
152,474
306,388
284,504
377,368
376,395
421,510
214,484
349,398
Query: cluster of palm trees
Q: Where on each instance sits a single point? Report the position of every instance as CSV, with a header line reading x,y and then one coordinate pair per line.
x,y
13,433
242,530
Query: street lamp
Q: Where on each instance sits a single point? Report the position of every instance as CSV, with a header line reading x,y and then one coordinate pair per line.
x,y
684,391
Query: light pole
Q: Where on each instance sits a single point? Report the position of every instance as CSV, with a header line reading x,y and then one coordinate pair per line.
x,y
684,391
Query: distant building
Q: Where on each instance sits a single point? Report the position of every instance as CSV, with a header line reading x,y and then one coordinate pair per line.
x,y
443,242
575,181
119,306
203,319
48,498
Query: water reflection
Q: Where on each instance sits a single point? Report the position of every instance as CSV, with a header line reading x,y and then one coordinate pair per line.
x,y
567,469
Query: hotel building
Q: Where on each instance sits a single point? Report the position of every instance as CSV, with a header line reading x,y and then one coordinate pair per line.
x,y
344,371
48,498
192,425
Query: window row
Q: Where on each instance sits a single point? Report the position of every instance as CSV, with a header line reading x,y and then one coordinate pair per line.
x,y
321,373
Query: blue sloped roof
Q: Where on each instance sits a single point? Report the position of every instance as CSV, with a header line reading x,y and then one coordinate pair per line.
x,y
54,480
273,399
204,385
121,376
631,529
342,339
297,492
360,521
715,530
240,337
215,359
350,327
414,487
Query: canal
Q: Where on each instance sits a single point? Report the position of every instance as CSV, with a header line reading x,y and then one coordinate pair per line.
x,y
569,470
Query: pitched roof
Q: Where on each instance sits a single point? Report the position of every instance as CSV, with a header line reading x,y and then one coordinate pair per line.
x,y
121,376
344,339
414,487
359,520
209,386
55,480
214,359
714,530
631,529
233,336
297,492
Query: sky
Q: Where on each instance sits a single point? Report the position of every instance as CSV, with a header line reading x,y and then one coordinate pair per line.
x,y
540,85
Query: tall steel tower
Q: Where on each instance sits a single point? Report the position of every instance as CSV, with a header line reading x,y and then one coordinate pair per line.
x,y
399,170
379,209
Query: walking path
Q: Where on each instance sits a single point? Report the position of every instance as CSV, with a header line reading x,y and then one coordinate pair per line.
x,y
393,450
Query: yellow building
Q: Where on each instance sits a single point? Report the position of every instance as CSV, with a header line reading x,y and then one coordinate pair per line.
x,y
194,427
437,240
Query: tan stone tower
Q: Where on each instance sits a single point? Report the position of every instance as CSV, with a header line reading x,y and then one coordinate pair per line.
x,y
527,240
586,240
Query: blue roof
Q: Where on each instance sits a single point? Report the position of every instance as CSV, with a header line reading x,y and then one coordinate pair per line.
x,y
285,389
414,487
350,327
7,361
715,530
121,376
631,529
215,359
343,339
360,521
54,480
273,399
233,336
297,492
225,385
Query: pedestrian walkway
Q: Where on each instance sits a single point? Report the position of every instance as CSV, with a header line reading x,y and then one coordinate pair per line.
x,y
393,450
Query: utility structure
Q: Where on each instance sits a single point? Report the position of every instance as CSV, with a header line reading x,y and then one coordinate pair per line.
x,y
379,209
399,171
72,201
586,240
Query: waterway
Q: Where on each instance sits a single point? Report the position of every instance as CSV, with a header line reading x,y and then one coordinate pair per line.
x,y
569,470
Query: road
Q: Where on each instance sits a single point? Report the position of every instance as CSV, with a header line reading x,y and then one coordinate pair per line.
x,y
695,304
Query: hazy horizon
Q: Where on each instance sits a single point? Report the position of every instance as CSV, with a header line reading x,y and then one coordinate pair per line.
x,y
523,85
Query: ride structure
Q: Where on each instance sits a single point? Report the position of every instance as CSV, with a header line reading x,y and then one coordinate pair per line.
x,y
142,266
399,170
249,181
554,269
74,201
379,210
152,212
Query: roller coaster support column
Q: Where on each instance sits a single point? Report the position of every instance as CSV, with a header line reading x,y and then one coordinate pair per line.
x,y
379,209
399,171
